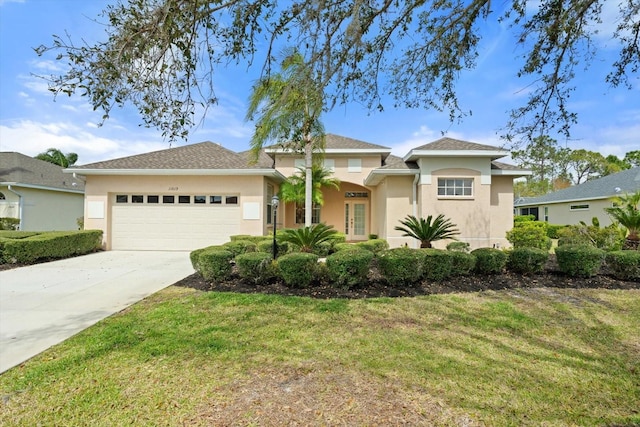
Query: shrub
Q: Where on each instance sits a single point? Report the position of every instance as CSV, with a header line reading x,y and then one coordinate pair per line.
x,y
527,260
298,269
8,223
489,260
608,238
529,234
374,245
238,247
553,230
348,247
401,266
372,236
254,239
194,256
348,269
579,260
437,264
624,265
463,263
255,267
523,218
458,247
267,246
214,264
50,245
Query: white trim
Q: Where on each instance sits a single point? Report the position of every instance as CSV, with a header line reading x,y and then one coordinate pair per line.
x,y
377,175
414,154
242,172
42,187
332,151
511,172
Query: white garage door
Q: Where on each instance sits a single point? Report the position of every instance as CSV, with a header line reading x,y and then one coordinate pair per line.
x,y
172,227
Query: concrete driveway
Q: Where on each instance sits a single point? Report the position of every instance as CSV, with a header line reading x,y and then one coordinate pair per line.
x,y
44,304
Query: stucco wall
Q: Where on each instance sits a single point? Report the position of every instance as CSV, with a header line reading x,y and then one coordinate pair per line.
x,y
99,190
560,213
44,210
399,204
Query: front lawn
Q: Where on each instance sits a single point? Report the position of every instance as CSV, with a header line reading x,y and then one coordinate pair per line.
x,y
534,356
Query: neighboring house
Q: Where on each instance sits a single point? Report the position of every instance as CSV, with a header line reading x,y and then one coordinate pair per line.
x,y
198,195
581,202
39,194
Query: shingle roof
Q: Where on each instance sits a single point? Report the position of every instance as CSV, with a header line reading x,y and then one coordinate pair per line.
x,y
342,142
20,169
451,144
396,163
627,181
204,155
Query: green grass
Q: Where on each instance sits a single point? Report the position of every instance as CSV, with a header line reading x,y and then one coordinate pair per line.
x,y
181,357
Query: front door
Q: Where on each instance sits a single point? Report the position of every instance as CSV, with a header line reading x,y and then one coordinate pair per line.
x,y
355,220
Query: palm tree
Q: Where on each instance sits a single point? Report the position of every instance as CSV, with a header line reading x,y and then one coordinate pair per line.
x,y
287,108
293,190
627,213
308,238
427,231
57,157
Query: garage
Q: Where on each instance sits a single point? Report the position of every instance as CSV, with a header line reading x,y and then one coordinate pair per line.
x,y
172,222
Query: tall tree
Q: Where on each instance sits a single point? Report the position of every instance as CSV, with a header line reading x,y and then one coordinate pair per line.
x,y
586,165
286,108
633,158
57,157
160,55
546,159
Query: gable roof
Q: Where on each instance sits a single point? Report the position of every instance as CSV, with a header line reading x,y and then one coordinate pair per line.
x,y
336,144
24,171
204,158
627,181
450,147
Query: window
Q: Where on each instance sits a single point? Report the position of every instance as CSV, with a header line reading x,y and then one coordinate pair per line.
x,y
215,200
579,207
137,199
330,165
122,198
168,199
315,214
153,199
184,199
530,211
354,165
455,187
199,200
356,195
2,196
546,214
231,200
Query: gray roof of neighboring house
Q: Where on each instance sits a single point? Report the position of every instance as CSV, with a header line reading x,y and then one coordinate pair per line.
x,y
342,142
627,181
21,170
203,155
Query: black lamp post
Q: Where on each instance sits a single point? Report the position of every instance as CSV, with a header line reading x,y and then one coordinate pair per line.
x,y
274,205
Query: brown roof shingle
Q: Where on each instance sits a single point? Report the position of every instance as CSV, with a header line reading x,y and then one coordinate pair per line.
x,y
203,155
455,144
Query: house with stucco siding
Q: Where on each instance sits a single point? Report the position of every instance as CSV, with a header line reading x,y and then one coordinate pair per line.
x,y
200,194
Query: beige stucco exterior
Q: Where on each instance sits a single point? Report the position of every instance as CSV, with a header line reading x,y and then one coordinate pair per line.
x,y
42,209
376,192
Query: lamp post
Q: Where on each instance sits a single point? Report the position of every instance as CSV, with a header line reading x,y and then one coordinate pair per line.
x,y
274,205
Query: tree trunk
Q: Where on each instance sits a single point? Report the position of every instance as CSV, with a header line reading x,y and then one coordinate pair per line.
x,y
308,184
424,245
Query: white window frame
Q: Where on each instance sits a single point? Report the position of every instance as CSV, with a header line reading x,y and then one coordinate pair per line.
x,y
354,165
450,187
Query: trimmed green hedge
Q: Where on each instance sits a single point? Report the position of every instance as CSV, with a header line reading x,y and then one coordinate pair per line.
x,y
374,245
437,265
255,267
237,247
401,266
579,260
298,269
349,268
529,234
50,245
624,265
527,260
463,263
214,264
489,260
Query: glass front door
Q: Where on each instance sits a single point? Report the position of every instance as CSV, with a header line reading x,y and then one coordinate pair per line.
x,y
355,220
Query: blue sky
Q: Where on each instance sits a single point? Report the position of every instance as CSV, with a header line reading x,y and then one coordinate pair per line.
x,y
31,122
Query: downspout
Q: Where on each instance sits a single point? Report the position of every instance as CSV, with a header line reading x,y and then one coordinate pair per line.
x,y
20,201
415,196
